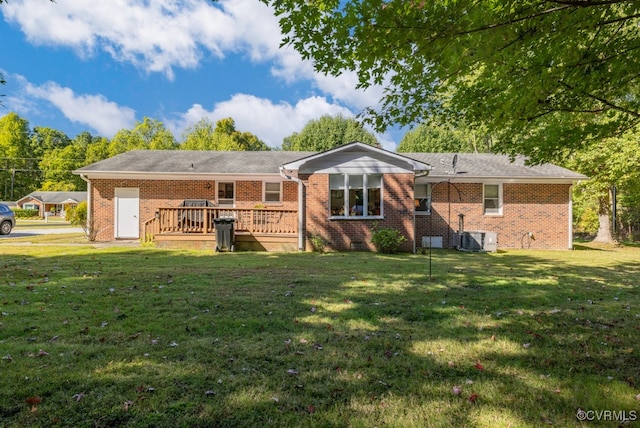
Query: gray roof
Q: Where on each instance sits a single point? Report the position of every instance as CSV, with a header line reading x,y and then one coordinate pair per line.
x,y
186,162
56,197
194,161
486,165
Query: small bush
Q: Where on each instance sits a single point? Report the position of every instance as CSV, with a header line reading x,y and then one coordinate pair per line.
x,y
386,240
77,216
317,242
30,213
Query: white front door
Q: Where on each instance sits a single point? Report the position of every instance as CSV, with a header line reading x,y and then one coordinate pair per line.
x,y
127,207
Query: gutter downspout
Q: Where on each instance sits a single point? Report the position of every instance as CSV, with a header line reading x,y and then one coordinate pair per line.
x,y
570,228
301,246
84,177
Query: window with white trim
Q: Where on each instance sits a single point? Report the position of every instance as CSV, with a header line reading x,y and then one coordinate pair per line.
x,y
492,197
355,195
272,192
422,198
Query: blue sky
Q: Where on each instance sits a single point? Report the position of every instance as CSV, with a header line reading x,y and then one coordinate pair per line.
x,y
79,65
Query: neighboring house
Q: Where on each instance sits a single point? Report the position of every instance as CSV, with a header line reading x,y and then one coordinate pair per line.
x,y
55,203
279,199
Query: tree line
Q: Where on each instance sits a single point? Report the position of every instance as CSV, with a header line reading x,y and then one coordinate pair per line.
x,y
43,158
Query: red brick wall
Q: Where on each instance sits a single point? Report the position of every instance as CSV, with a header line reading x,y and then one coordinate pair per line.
x,y
170,193
356,234
542,209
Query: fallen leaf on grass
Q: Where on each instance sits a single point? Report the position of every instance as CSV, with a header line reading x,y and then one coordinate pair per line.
x,y
479,366
292,372
473,398
42,353
457,390
78,397
127,405
311,409
33,400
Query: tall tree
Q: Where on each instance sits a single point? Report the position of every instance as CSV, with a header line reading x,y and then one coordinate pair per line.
x,y
225,136
148,134
57,165
607,163
540,74
45,139
97,150
328,132
18,165
434,138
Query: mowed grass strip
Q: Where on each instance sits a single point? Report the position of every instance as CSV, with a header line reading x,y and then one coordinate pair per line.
x,y
148,337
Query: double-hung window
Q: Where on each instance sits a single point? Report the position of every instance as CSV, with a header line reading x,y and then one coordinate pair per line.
x,y
272,192
492,196
356,195
422,195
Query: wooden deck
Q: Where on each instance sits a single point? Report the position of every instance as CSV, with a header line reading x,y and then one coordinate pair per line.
x,y
195,227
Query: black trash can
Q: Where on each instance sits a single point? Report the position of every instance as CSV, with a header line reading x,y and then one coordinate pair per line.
x,y
224,233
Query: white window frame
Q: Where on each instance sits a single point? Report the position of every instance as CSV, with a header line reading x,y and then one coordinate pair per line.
x,y
365,196
418,195
266,192
498,212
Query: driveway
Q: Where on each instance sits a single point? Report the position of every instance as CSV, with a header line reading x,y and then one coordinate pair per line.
x,y
19,232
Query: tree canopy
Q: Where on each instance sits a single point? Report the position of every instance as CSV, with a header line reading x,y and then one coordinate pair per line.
x,y
433,138
542,75
224,136
328,132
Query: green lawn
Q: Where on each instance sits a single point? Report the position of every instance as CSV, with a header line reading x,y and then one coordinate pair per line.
x,y
147,337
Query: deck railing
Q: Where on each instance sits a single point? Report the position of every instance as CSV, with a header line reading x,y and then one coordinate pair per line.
x,y
202,220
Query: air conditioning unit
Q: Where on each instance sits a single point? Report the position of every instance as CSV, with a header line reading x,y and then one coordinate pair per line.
x,y
477,240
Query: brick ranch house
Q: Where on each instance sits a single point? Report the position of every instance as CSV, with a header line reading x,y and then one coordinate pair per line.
x,y
54,203
278,200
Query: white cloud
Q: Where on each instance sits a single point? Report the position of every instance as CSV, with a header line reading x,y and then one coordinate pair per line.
x,y
160,35
93,111
271,122
155,36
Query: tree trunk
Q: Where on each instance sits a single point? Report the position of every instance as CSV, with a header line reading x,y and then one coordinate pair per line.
x,y
604,217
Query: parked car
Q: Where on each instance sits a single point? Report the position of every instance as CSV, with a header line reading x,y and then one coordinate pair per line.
x,y
7,220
